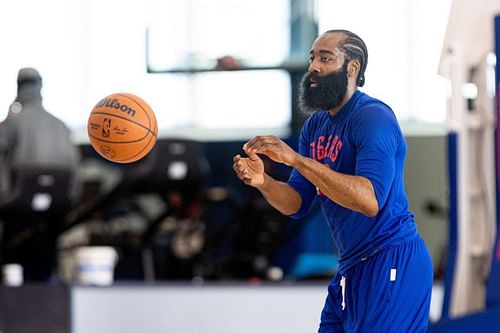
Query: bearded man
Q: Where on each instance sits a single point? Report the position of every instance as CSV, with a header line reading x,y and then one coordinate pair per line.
x,y
351,158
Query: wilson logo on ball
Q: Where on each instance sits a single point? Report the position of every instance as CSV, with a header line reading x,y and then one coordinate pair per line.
x,y
114,103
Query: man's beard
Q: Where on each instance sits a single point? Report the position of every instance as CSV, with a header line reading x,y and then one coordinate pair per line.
x,y
327,94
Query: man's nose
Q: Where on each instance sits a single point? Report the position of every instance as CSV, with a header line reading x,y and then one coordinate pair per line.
x,y
314,67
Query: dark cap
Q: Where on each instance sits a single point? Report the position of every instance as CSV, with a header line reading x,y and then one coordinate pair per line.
x,y
28,75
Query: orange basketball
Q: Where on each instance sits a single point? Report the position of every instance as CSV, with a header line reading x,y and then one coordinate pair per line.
x,y
122,128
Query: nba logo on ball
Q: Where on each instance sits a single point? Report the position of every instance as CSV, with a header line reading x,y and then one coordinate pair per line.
x,y
122,128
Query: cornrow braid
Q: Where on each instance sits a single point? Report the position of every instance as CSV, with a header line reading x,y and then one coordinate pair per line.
x,y
354,48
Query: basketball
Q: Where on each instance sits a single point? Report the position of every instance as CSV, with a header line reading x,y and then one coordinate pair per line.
x,y
122,128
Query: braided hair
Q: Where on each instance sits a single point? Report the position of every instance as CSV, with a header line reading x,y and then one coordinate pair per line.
x,y
354,48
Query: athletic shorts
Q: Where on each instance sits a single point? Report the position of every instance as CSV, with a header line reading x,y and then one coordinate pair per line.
x,y
387,292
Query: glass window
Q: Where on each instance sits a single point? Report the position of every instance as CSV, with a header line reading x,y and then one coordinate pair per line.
x,y
88,49
404,41
194,33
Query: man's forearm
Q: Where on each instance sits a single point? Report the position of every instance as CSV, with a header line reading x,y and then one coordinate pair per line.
x,y
352,192
280,195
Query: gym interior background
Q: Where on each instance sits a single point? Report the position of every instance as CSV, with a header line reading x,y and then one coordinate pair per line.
x,y
206,235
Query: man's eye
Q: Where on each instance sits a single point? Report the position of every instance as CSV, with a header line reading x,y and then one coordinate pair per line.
x,y
325,59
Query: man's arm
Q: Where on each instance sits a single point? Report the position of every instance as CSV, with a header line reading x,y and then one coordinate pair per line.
x,y
352,192
279,194
6,136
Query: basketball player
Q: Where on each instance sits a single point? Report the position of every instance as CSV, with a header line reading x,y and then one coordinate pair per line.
x,y
351,158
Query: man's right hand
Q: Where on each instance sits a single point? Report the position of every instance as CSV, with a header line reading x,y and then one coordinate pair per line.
x,y
249,169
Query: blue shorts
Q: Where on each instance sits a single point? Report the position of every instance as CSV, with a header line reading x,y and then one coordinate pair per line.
x,y
387,292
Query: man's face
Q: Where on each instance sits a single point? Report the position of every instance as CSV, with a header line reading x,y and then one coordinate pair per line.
x,y
325,84
322,92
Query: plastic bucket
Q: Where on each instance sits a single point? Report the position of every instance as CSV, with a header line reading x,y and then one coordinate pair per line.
x,y
95,265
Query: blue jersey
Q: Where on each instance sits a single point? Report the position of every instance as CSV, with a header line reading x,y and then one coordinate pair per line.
x,y
362,139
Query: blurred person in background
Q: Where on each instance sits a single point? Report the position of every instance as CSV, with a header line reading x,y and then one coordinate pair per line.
x,y
31,137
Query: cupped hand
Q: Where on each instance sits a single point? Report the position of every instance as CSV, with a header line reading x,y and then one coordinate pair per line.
x,y
273,147
249,169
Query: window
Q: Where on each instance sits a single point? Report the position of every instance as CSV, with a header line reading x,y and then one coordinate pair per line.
x,y
87,49
193,34
404,40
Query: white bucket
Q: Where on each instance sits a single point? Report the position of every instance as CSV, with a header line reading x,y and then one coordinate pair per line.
x,y
12,275
94,265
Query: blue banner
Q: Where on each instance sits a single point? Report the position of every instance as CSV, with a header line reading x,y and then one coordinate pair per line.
x,y
493,290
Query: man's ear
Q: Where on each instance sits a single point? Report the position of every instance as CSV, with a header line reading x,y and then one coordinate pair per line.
x,y
353,68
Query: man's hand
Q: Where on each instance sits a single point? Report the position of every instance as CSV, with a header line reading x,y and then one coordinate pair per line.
x,y
249,169
272,147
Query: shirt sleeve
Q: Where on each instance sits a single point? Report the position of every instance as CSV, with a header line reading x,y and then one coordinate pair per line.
x,y
7,135
376,134
299,183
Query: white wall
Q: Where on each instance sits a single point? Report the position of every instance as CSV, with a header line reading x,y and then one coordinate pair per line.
x,y
198,309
